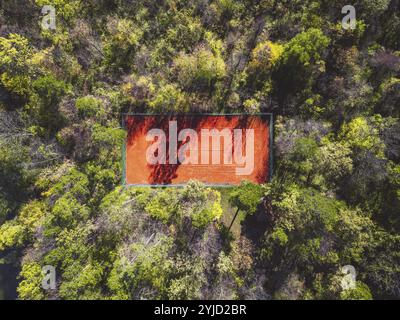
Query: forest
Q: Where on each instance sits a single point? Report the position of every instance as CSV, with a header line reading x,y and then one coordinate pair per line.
x,y
333,200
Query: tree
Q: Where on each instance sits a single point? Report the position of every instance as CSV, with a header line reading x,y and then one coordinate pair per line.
x,y
391,28
15,178
169,98
360,292
15,60
164,206
121,43
200,70
65,8
388,98
12,235
188,278
19,231
335,194
381,261
340,235
143,273
66,213
360,135
85,285
44,103
263,60
205,205
89,106
30,288
245,198
300,62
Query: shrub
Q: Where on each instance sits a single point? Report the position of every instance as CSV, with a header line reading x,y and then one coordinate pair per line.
x,y
11,235
15,66
89,106
169,98
251,105
265,55
44,103
207,211
121,43
163,206
246,197
360,292
30,287
359,135
200,70
300,61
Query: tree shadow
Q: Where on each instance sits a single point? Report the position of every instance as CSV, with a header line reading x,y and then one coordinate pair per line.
x,y
254,226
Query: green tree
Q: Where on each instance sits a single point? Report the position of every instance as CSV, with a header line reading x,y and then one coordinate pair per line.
x,y
169,98
44,103
30,287
121,43
360,292
144,273
300,62
246,199
164,206
89,106
15,61
200,70
204,204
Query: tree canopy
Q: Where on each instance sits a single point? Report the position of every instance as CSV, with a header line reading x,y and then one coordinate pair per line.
x,y
334,198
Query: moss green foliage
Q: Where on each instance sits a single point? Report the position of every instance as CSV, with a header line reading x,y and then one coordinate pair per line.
x,y
360,292
301,61
360,135
162,206
247,197
334,199
15,71
202,205
31,287
89,106
44,101
121,42
200,70
169,98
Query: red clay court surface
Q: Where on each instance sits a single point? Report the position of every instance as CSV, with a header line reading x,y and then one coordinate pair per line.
x,y
139,172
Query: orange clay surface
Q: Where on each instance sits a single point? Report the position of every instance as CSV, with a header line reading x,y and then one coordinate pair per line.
x,y
139,172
